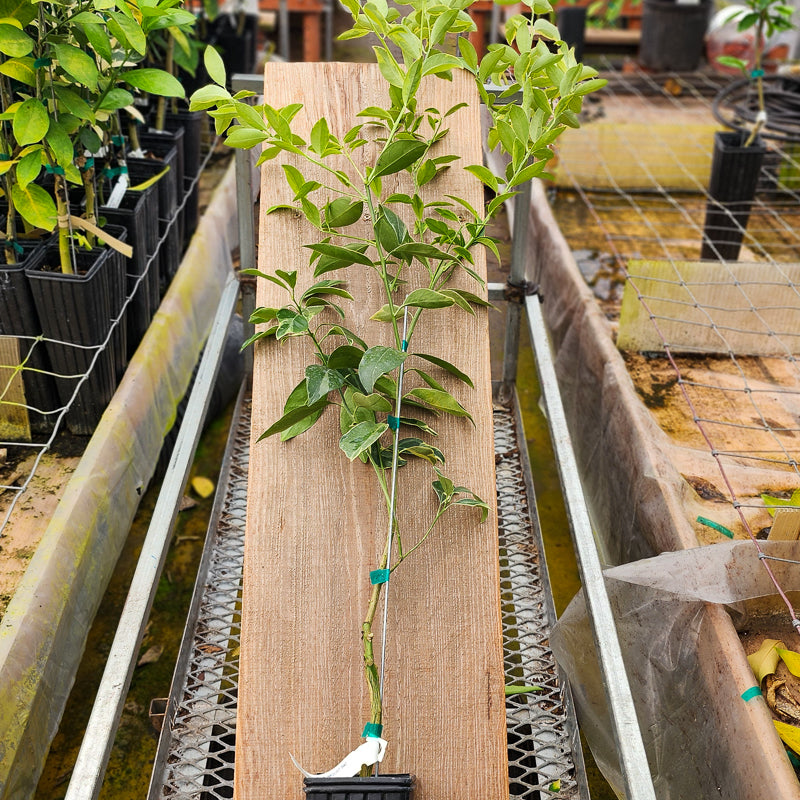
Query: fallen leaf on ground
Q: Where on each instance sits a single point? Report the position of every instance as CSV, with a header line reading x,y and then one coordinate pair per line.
x,y
765,660
151,655
203,486
790,734
792,661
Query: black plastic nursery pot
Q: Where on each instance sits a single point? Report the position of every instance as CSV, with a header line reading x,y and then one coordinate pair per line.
x,y
571,22
735,170
18,318
673,34
75,311
117,293
194,125
159,143
138,214
142,169
378,787
236,34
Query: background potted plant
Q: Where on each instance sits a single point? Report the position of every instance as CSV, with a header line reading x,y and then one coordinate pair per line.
x,y
738,155
386,396
65,74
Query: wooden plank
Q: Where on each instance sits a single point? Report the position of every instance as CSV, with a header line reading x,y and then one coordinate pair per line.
x,y
703,306
786,527
315,526
14,423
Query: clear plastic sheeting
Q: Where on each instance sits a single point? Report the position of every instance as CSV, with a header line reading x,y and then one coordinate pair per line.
x,y
43,632
687,670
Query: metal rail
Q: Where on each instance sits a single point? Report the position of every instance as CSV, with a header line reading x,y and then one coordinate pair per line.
x,y
87,777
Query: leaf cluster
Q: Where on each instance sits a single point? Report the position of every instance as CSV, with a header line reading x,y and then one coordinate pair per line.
x,y
66,70
415,240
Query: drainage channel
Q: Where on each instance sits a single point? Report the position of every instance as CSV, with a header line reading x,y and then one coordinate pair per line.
x,y
197,745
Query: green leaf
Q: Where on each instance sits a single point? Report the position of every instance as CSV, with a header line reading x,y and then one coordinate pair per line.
x,y
447,367
337,257
484,175
242,137
418,423
390,230
14,42
361,437
421,250
290,323
31,122
20,69
345,357
475,502
23,11
320,381
343,212
377,361
99,40
320,136
298,398
374,402
116,99
398,155
441,401
35,205
60,144
293,417
348,335
215,66
76,105
29,167
389,67
384,313
78,65
427,298
154,81
127,31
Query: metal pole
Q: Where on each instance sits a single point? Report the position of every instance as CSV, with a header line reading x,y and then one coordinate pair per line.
x,y
632,756
519,240
283,29
87,777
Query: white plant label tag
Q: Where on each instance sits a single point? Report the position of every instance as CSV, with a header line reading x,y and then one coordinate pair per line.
x,y
365,755
115,198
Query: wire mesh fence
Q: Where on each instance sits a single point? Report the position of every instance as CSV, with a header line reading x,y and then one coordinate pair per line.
x,y
714,332
43,400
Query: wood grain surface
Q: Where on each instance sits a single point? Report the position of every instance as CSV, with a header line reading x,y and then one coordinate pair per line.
x,y
14,423
316,524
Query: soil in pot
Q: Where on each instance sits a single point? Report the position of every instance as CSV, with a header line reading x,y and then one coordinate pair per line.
x,y
673,35
75,312
735,171
378,787
18,318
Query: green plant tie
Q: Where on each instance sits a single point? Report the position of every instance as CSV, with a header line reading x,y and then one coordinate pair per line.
x,y
750,693
757,73
88,164
5,157
14,245
394,422
404,346
793,759
709,523
118,141
42,62
54,170
113,172
372,730
378,576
